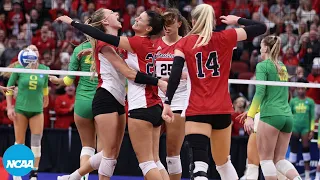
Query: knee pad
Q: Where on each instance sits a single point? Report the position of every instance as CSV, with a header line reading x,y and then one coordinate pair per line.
x,y
147,166
174,165
268,168
107,166
306,154
294,144
87,151
160,165
198,146
283,166
293,157
252,172
36,144
227,171
95,160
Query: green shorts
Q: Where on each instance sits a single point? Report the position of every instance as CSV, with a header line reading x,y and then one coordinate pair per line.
x,y
83,108
282,123
301,128
27,114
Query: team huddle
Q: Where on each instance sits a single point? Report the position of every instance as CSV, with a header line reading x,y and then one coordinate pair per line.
x,y
178,80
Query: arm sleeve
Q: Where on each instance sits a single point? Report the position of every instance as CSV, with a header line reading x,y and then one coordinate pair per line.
x,y
174,80
45,87
12,81
312,115
96,33
261,74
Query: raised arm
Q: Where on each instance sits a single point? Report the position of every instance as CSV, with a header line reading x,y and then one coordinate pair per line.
x,y
95,33
251,29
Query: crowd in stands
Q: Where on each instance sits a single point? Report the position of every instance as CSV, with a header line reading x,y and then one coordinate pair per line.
x,y
24,22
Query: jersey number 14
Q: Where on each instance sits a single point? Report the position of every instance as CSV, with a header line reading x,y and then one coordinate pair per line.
x,y
210,64
33,82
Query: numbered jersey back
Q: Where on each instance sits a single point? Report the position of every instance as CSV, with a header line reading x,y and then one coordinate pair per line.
x,y
209,68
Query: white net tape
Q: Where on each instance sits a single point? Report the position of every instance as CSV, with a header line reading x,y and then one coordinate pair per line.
x,y
231,81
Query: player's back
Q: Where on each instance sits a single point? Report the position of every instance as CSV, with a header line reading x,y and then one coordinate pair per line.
x,y
209,68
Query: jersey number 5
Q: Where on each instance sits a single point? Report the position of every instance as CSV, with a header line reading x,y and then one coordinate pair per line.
x,y
33,82
211,64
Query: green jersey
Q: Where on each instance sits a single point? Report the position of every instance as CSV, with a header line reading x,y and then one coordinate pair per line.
x,y
87,85
31,88
303,112
273,100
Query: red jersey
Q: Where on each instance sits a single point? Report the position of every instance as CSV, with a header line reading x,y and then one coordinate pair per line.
x,y
141,59
314,93
62,107
209,69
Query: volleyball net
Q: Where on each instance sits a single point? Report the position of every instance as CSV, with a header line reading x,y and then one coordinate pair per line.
x,y
231,81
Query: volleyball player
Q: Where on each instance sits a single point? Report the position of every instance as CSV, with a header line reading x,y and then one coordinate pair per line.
x,y
176,26
208,115
109,101
85,91
31,99
275,126
302,109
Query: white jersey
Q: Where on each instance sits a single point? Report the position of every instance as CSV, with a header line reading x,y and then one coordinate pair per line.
x,y
109,78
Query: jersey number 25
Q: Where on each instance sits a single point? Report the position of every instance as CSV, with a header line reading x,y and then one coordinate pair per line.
x,y
210,64
33,82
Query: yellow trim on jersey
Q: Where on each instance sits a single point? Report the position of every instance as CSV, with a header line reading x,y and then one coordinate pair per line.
x,y
45,91
67,81
9,92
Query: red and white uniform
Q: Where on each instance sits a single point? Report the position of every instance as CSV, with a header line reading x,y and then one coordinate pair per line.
x,y
141,95
209,68
109,78
164,60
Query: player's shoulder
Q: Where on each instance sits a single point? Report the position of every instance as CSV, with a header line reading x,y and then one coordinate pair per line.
x,y
310,100
82,46
42,66
18,66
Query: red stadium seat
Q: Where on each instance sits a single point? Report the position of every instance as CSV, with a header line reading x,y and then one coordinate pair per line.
x,y
246,75
239,67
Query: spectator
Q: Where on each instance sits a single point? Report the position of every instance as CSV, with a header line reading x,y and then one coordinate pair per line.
x,y
259,6
65,59
314,93
64,106
60,28
241,9
25,35
239,107
293,20
45,42
46,59
91,8
279,12
78,7
61,4
288,39
15,18
2,41
313,50
6,6
6,119
28,5
58,9
316,6
305,13
303,28
35,21
43,12
218,7
290,59
70,38
2,21
128,20
11,52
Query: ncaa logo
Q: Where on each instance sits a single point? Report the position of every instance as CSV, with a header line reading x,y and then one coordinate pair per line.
x,y
18,160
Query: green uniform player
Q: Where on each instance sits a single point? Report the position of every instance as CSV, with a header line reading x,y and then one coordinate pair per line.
x,y
303,115
273,100
32,88
86,86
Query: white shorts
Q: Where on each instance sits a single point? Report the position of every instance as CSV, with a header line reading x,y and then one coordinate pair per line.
x,y
256,122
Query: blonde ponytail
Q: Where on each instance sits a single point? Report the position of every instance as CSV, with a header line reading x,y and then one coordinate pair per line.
x,y
204,18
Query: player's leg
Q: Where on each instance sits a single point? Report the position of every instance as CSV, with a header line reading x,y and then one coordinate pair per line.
x,y
284,166
198,132
36,126
318,168
267,136
294,146
220,146
306,152
20,127
252,171
156,141
175,133
83,119
141,124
